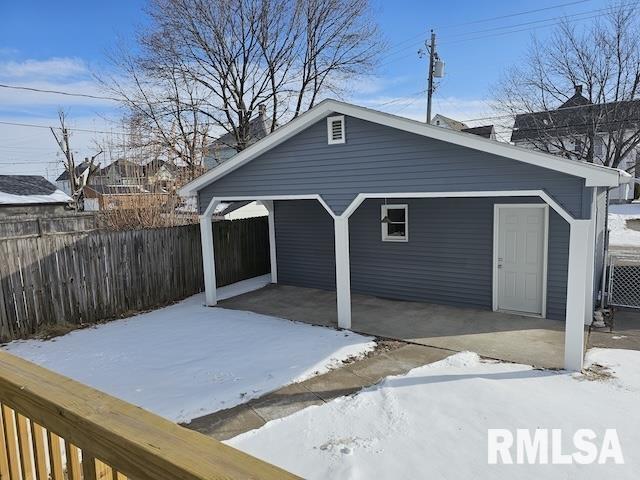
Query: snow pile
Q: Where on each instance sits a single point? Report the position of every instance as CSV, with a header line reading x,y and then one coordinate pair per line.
x,y
187,360
433,421
620,234
56,197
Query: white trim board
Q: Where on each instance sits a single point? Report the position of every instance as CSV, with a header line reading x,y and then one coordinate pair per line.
x,y
594,175
473,194
258,198
545,254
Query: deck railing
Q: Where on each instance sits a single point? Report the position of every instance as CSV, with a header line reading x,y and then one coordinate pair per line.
x,y
59,429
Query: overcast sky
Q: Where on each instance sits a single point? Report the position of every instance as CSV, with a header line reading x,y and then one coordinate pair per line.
x,y
61,45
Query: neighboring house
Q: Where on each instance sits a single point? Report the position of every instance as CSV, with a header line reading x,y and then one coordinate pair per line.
x,y
161,175
82,173
486,131
120,172
366,202
223,148
567,130
31,195
446,122
108,197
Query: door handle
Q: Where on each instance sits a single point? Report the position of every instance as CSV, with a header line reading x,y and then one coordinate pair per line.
x,y
499,262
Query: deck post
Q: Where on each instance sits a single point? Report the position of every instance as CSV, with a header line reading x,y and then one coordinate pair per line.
x,y
577,291
343,275
268,204
208,258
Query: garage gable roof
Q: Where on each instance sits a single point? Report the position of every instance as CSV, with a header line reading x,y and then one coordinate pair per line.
x,y
594,175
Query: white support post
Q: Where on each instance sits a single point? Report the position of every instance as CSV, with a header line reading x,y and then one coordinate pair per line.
x,y
576,293
591,252
208,259
343,275
268,204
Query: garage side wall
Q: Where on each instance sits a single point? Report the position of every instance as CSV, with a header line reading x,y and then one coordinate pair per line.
x,y
448,258
305,244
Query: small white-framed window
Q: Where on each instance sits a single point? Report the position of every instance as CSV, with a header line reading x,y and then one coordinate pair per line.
x,y
335,130
395,223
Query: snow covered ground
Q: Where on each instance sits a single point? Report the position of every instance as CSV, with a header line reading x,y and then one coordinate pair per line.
x,y
620,234
433,421
187,360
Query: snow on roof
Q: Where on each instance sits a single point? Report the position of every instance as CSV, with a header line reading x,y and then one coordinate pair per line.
x,y
29,189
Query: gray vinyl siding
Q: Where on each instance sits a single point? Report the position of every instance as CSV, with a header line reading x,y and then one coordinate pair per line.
x,y
377,158
447,260
305,249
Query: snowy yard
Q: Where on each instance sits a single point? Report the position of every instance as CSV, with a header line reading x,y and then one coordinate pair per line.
x,y
433,421
621,235
187,360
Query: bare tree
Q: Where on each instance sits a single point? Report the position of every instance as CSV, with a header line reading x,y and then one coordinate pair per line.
x,y
164,110
216,61
600,62
77,180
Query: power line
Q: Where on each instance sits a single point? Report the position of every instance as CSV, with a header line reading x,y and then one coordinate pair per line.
x,y
575,17
482,20
33,125
58,92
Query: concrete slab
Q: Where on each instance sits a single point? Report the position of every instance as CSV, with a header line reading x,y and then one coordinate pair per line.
x,y
625,333
503,336
412,356
336,383
218,424
284,402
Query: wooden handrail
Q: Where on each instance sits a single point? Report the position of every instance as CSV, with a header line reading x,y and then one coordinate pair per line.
x,y
132,441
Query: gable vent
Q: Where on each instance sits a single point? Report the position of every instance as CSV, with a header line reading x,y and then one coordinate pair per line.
x,y
335,130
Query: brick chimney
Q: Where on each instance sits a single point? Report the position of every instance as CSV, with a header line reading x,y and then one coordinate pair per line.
x,y
262,110
578,89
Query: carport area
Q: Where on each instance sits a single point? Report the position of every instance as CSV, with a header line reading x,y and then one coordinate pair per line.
x,y
491,334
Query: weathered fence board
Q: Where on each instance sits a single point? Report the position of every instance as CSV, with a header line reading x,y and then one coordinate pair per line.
x,y
20,226
83,278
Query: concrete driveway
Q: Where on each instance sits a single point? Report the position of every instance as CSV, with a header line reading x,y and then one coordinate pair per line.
x,y
502,336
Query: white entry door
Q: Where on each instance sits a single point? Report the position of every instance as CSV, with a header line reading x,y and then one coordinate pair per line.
x,y
520,258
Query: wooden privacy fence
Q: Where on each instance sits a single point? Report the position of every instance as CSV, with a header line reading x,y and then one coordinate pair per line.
x,y
241,249
56,428
83,278
20,226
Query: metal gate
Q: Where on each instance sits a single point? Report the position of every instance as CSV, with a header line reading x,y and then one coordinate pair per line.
x,y
623,288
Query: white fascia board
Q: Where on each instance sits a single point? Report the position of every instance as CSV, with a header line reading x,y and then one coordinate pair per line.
x,y
594,175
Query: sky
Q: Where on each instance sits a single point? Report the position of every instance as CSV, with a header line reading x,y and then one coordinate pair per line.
x,y
63,45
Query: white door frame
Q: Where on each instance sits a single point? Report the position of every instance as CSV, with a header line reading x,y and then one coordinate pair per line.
x,y
545,253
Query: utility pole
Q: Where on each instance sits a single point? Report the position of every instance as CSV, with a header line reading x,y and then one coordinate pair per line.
x,y
436,70
432,54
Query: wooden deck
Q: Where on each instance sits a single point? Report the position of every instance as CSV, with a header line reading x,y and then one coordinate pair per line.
x,y
56,428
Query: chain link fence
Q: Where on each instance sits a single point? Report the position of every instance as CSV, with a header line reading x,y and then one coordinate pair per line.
x,y
623,289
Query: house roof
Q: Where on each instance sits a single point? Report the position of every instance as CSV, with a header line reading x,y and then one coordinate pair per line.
x,y
485,131
124,168
451,123
33,189
259,127
117,189
80,169
577,116
594,175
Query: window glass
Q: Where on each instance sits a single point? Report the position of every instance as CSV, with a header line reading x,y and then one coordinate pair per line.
x,y
394,223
